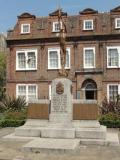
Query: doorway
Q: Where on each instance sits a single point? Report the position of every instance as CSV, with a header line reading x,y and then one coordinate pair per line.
x,y
90,89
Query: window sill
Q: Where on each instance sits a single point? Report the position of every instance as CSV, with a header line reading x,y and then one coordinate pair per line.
x,y
55,31
25,33
117,28
25,70
113,67
88,29
88,67
57,68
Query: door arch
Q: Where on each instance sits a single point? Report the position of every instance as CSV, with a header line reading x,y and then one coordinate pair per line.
x,y
90,89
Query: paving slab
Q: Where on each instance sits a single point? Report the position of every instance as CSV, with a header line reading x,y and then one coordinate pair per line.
x,y
52,144
13,137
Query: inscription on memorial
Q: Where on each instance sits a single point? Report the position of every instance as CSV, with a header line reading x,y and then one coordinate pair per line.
x,y
59,103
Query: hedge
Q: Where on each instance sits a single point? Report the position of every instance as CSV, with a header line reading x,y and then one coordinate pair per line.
x,y
110,123
11,123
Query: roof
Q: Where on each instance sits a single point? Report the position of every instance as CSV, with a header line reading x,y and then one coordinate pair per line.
x,y
56,12
88,11
26,15
114,10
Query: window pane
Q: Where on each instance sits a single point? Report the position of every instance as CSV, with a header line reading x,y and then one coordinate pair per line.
x,y
113,91
57,27
22,92
89,58
31,92
67,59
22,89
25,28
53,59
21,60
118,23
31,60
113,57
88,24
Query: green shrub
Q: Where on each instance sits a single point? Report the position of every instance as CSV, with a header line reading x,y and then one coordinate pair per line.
x,y
110,116
13,118
11,123
13,104
15,115
110,123
111,120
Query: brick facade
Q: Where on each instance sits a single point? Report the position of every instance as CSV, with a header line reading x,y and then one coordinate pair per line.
x,y
41,37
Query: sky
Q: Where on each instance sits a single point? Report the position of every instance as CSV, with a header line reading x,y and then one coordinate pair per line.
x,y
10,9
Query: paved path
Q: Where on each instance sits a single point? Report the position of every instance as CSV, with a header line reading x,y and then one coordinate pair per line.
x,y
13,151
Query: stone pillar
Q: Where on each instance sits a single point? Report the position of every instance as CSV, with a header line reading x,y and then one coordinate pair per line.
x,y
60,120
61,101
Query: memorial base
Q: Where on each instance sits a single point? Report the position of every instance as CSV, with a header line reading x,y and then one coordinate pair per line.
x,y
58,133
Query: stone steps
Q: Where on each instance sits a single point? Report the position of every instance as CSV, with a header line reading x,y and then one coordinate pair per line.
x,y
91,133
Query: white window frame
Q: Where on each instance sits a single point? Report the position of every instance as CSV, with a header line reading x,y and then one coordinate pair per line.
x,y
84,26
84,65
26,85
58,54
114,47
26,55
116,26
59,63
112,84
53,28
22,30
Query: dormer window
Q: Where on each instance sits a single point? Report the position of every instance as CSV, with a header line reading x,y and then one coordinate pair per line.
x,y
25,28
56,26
88,25
117,23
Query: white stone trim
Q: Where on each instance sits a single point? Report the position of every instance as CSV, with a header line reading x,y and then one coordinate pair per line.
x,y
50,91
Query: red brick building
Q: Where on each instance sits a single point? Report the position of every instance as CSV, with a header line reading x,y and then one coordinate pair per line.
x,y
93,54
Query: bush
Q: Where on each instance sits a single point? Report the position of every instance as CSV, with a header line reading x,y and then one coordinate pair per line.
x,y
13,104
111,120
15,115
110,112
111,105
13,118
11,123
110,116
110,123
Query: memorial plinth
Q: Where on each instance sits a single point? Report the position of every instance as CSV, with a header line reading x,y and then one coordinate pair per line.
x,y
60,119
